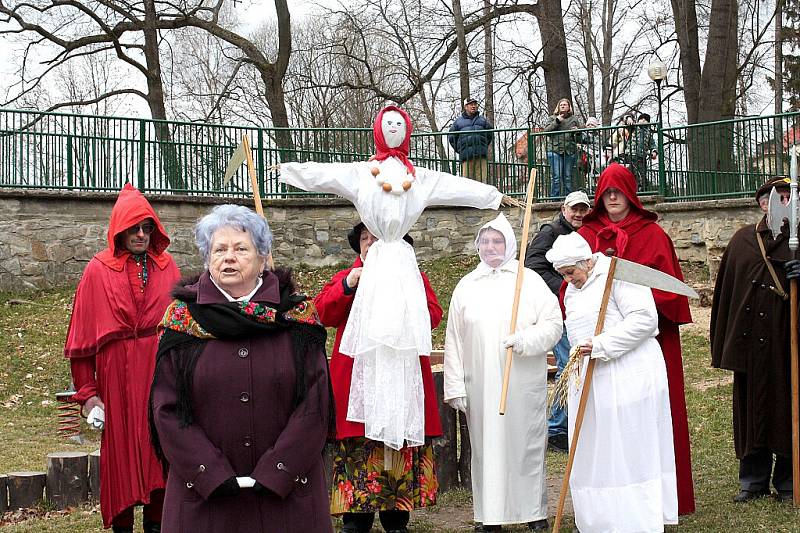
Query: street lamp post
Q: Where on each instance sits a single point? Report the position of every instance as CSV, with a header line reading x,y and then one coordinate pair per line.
x,y
658,73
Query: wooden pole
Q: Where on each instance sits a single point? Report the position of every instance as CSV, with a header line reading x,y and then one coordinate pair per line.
x,y
523,247
795,388
587,382
251,169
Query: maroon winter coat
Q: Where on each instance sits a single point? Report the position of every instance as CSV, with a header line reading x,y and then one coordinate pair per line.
x,y
245,425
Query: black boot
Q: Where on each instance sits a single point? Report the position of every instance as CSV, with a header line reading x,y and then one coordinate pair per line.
x,y
151,527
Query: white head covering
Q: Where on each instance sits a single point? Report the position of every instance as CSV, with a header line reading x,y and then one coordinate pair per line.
x,y
568,250
502,225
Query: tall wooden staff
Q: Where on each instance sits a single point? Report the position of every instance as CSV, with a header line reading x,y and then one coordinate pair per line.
x,y
233,165
793,245
526,223
587,383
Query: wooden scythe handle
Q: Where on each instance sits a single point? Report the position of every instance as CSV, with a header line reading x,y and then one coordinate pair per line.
x,y
795,389
587,382
251,169
523,247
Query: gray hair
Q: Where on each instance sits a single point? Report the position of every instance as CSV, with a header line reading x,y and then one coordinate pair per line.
x,y
233,216
583,264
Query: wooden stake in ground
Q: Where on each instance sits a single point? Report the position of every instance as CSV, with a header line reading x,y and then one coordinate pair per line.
x,y
526,223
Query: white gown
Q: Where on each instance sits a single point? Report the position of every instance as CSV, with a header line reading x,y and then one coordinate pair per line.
x,y
508,452
623,478
389,324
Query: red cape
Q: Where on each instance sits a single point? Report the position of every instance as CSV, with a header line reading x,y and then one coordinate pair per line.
x,y
640,239
112,344
333,306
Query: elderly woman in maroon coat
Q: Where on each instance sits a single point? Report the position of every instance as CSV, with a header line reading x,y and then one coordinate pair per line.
x,y
241,399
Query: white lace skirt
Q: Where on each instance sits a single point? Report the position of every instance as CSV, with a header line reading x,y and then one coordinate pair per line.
x,y
386,332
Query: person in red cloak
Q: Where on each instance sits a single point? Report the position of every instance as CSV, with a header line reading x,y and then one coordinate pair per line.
x,y
111,344
354,453
621,226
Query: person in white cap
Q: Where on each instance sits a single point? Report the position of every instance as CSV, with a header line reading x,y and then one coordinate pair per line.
x,y
576,205
623,477
472,144
508,452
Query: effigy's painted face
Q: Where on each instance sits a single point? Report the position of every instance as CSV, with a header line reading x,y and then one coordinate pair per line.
x,y
394,128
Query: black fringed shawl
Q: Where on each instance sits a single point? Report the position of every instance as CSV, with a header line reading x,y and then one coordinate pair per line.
x,y
187,327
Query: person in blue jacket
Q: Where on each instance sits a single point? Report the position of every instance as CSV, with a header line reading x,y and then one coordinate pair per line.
x,y
469,138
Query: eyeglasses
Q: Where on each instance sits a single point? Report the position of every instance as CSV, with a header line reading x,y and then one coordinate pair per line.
x,y
146,228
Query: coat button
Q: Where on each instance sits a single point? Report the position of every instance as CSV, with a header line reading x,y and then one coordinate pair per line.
x,y
243,352
761,315
247,442
744,334
244,397
761,340
189,484
747,309
763,286
201,468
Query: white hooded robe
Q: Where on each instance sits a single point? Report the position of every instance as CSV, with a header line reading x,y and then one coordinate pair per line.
x,y
508,452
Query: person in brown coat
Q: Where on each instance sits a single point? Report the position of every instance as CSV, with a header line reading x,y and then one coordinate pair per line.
x,y
750,336
241,403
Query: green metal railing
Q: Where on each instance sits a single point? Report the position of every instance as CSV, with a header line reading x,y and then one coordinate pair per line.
x,y
93,153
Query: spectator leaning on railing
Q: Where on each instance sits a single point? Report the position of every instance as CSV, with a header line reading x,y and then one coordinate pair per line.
x,y
561,148
472,147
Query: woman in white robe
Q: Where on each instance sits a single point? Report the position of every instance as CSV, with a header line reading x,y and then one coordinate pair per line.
x,y
508,452
623,477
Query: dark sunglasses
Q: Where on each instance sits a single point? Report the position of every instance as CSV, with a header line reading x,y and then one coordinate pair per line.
x,y
147,229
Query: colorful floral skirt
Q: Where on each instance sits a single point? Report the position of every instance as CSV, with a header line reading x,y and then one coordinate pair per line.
x,y
368,477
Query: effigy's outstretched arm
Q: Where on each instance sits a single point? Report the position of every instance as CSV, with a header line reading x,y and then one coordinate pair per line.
x,y
447,189
332,178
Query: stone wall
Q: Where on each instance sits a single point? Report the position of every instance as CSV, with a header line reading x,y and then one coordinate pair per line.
x,y
46,238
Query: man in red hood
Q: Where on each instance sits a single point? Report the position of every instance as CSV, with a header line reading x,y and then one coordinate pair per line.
x,y
621,226
111,344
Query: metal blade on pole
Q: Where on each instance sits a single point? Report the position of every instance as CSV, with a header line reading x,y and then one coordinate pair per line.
x,y
650,277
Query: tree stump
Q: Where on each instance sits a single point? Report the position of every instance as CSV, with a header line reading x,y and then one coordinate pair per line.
x,y
25,489
445,448
67,478
94,474
3,493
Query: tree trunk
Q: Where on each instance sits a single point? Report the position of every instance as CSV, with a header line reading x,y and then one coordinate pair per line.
x,y
554,52
713,145
607,99
463,58
778,124
586,31
685,16
67,478
170,161
273,82
488,64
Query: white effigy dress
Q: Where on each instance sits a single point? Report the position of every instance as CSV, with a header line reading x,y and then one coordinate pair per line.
x,y
389,324
623,478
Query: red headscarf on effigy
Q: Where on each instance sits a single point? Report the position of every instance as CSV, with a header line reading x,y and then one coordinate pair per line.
x,y
382,150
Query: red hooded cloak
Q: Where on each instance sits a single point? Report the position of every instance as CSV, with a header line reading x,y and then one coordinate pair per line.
x,y
640,239
111,344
